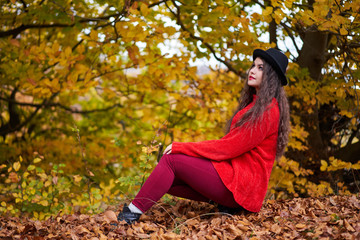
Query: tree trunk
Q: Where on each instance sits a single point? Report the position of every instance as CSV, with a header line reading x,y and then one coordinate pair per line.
x,y
312,57
272,31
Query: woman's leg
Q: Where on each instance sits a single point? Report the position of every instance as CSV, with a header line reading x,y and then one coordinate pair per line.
x,y
198,174
181,189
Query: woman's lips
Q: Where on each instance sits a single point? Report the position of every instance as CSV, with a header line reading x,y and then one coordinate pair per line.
x,y
251,78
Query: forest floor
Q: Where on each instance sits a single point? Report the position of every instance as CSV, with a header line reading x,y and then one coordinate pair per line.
x,y
332,217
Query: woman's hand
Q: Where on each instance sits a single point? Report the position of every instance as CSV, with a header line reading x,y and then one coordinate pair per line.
x,y
168,149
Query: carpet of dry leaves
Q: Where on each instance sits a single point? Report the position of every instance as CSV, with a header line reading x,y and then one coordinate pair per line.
x,y
333,217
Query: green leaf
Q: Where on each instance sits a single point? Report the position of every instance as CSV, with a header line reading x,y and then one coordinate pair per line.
x,y
31,167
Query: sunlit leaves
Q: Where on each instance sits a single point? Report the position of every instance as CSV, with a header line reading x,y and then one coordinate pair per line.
x,y
336,164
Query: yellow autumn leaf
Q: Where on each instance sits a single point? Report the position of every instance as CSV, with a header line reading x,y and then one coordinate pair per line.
x,y
94,35
42,175
16,166
47,183
324,165
267,11
288,3
37,160
68,51
144,9
77,178
343,31
278,15
353,121
356,166
346,113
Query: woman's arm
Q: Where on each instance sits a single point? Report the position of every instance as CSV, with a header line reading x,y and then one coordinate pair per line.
x,y
235,143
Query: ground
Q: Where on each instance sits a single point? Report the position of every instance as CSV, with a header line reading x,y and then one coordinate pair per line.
x,y
332,217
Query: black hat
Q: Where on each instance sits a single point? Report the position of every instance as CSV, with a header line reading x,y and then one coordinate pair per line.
x,y
276,59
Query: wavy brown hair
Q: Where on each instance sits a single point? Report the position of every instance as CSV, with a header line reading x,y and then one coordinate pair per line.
x,y
269,88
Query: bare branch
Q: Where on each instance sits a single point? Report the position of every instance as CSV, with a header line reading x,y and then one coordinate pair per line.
x,y
287,29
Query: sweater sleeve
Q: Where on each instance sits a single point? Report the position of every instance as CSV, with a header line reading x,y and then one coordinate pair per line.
x,y
235,143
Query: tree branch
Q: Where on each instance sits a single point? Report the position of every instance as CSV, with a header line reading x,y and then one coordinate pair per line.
x,y
4,130
47,104
24,5
14,32
287,29
85,111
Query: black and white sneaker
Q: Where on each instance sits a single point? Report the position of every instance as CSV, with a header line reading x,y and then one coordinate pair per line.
x,y
128,216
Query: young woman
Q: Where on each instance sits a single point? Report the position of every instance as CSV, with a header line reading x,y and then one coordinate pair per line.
x,y
233,171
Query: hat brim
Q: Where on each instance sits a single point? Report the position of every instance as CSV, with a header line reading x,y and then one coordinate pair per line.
x,y
264,55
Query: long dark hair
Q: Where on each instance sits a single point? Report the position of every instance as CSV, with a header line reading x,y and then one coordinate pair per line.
x,y
269,88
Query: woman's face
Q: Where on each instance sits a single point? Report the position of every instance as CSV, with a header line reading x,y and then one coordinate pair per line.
x,y
256,74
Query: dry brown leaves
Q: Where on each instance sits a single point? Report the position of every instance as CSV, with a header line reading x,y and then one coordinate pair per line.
x,y
335,217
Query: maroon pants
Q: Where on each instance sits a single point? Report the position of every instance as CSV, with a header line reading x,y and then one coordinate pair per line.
x,y
183,176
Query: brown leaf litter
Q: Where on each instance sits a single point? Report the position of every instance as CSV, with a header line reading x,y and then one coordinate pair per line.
x,y
333,217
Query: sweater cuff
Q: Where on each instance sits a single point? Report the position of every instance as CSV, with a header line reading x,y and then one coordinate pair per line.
x,y
175,147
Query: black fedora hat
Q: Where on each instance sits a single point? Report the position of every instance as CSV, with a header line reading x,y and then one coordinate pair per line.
x,y
276,59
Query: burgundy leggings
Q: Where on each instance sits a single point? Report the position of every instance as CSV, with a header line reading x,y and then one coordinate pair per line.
x,y
183,176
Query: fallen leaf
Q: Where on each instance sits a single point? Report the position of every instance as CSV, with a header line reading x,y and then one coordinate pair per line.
x,y
110,216
300,226
332,201
235,230
81,229
169,236
142,235
348,226
319,204
275,228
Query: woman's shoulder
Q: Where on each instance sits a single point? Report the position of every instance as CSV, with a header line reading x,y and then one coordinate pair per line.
x,y
274,104
273,108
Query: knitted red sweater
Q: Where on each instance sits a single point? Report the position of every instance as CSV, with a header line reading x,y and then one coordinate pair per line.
x,y
243,158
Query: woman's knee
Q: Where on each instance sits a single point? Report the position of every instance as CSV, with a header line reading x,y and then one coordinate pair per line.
x,y
165,159
169,159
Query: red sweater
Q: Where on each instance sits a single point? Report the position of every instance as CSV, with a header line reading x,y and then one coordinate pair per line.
x,y
243,158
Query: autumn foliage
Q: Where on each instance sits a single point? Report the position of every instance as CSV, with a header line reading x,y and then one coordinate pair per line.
x,y
91,90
